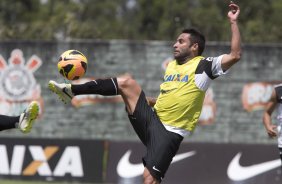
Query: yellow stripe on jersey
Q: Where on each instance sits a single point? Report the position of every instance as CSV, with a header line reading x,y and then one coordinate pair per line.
x,y
180,101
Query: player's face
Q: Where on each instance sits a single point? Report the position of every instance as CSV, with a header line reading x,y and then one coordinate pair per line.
x,y
182,47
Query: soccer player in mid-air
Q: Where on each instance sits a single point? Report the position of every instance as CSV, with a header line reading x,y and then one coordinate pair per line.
x,y
177,109
23,122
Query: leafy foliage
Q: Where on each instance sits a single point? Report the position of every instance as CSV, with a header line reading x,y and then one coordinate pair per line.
x,y
260,21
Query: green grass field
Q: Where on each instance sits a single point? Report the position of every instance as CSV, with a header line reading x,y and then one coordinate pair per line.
x,y
35,182
25,182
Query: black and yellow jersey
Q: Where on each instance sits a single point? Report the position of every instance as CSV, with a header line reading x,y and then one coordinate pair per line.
x,y
182,93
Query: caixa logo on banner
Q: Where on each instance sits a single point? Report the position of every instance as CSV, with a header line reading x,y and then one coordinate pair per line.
x,y
34,159
51,159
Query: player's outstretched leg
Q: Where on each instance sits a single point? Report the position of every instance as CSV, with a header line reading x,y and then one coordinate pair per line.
x,y
63,90
28,117
123,85
105,87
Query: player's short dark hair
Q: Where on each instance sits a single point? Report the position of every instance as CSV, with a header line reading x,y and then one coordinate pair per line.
x,y
196,37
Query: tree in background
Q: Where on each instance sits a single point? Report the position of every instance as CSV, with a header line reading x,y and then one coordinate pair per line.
x,y
135,19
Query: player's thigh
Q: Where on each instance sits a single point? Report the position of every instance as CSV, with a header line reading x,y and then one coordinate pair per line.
x,y
130,91
142,117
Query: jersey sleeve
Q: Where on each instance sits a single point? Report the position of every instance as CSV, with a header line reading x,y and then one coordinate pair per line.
x,y
216,66
211,66
207,70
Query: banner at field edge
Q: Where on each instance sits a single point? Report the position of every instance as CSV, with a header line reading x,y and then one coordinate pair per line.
x,y
70,160
200,163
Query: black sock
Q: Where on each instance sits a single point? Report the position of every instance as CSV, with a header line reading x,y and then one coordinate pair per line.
x,y
8,122
105,87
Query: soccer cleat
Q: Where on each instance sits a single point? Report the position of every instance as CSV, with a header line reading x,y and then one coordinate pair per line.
x,y
28,117
63,90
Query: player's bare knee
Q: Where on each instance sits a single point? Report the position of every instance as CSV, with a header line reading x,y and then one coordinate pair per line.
x,y
148,178
126,82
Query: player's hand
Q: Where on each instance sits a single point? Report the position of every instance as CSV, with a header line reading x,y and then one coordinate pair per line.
x,y
234,11
151,101
271,131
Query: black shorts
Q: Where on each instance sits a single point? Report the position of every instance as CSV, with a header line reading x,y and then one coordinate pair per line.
x,y
161,144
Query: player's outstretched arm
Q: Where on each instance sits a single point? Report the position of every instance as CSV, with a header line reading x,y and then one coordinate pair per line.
x,y
235,54
269,127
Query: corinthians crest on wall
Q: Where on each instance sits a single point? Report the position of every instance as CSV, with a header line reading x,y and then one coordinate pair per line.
x,y
18,86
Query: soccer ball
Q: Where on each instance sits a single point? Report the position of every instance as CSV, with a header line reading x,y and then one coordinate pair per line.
x,y
72,64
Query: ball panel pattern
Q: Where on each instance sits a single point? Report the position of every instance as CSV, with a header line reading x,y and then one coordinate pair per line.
x,y
72,64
